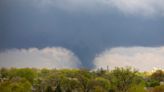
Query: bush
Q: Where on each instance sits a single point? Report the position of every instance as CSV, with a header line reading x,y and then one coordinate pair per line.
x,y
137,88
159,88
152,83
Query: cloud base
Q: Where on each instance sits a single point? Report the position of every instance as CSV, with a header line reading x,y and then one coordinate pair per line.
x,y
142,58
55,57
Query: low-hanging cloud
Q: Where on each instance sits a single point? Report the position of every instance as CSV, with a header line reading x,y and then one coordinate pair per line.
x,y
39,58
142,58
132,7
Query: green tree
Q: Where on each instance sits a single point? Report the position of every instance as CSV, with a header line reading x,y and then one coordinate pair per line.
x,y
70,84
27,73
58,88
4,73
158,75
49,89
137,88
15,85
84,77
152,83
122,78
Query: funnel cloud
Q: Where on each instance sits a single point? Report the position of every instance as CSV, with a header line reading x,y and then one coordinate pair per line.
x,y
32,30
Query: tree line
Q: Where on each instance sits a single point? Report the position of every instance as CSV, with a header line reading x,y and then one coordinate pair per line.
x,y
80,80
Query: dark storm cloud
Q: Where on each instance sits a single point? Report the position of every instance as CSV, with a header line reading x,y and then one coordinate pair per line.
x,y
24,25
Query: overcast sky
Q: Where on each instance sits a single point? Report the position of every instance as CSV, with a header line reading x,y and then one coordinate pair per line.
x,y
85,28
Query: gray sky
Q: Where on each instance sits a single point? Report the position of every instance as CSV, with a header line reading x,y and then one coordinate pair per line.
x,y
85,27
